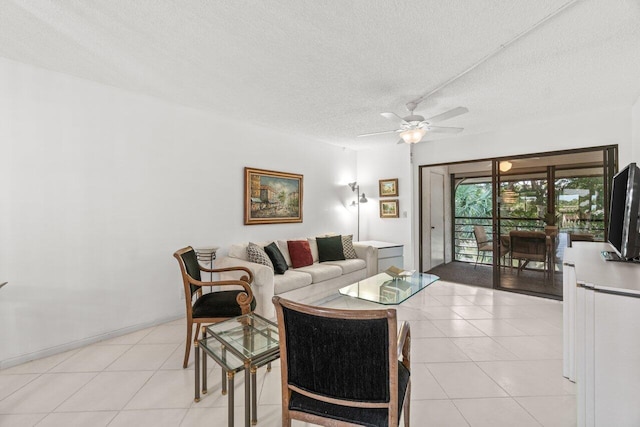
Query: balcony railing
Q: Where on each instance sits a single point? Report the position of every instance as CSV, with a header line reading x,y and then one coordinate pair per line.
x,y
466,249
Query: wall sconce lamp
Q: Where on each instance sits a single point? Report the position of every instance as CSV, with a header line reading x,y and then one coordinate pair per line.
x,y
359,199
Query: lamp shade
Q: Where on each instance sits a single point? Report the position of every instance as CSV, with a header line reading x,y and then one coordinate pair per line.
x,y
363,199
412,136
505,166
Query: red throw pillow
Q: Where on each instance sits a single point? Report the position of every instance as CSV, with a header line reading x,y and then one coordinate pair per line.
x,y
300,253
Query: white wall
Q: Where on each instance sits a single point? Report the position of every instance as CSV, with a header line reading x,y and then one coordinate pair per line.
x,y
596,128
635,132
100,186
374,165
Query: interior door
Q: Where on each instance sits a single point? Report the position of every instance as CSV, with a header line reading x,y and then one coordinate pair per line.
x,y
436,218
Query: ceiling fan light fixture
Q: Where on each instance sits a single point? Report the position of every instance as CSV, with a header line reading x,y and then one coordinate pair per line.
x,y
505,166
412,136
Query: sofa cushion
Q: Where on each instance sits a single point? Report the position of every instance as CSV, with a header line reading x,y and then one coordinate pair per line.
x,y
321,272
313,245
256,254
238,251
290,281
284,249
300,253
347,247
330,248
279,264
349,265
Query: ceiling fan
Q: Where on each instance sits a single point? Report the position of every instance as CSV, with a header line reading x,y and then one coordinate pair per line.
x,y
414,127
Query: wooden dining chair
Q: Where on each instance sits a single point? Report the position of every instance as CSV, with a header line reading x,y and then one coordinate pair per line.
x,y
214,306
343,367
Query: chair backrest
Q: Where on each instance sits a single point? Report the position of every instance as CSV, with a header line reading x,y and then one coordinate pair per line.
x,y
338,354
189,267
480,234
532,244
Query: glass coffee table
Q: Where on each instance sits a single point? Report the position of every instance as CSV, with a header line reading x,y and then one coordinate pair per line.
x,y
385,289
243,343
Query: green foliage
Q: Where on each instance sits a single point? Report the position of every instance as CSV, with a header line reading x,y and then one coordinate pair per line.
x,y
473,200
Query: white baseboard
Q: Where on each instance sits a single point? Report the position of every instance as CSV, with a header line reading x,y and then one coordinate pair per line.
x,y
8,363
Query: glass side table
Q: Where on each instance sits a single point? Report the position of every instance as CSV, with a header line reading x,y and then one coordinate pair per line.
x,y
246,343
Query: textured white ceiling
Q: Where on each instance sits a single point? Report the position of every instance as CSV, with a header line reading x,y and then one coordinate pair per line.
x,y
326,69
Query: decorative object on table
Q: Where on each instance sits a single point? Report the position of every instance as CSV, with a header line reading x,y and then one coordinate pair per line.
x,y
367,354
389,187
216,306
359,199
398,273
389,209
272,197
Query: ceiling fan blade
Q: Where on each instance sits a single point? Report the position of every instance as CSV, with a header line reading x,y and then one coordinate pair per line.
x,y
443,129
448,114
400,141
396,118
379,133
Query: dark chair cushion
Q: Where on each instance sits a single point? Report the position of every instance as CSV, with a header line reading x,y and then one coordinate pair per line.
x,y
330,248
190,260
219,304
276,257
370,417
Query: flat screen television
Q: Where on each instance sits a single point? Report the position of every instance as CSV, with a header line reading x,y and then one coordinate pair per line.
x,y
623,232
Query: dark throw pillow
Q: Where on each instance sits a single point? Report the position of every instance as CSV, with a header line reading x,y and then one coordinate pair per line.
x,y
279,264
300,253
330,248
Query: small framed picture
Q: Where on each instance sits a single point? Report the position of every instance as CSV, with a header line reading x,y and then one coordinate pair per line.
x,y
389,187
389,209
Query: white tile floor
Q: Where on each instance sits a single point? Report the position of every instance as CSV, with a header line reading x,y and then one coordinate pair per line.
x,y
479,358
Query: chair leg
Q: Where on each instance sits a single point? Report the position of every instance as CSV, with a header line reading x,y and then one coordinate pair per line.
x,y
188,346
286,419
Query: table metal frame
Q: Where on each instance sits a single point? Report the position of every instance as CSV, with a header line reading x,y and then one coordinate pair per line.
x,y
244,362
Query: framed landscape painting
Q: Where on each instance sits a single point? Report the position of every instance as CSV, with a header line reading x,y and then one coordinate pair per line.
x,y
271,197
389,209
389,187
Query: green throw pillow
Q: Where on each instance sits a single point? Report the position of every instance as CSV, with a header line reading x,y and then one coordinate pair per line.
x,y
330,248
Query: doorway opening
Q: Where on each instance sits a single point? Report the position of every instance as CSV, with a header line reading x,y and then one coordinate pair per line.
x,y
510,224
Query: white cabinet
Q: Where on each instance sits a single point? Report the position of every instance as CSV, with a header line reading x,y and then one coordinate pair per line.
x,y
601,337
388,254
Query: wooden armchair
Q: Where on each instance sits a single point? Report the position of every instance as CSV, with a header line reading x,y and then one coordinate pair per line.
x,y
343,367
215,306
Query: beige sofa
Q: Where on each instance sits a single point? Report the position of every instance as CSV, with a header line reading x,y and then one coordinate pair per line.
x,y
306,284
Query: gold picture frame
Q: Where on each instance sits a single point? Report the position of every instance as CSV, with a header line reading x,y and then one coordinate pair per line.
x,y
272,197
389,209
388,187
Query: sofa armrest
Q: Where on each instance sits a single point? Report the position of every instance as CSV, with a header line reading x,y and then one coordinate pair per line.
x,y
370,255
262,286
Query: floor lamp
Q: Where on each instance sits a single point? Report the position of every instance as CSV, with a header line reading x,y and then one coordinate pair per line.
x,y
355,187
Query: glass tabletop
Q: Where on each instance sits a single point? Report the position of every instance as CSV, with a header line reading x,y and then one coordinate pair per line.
x,y
249,336
217,350
384,289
